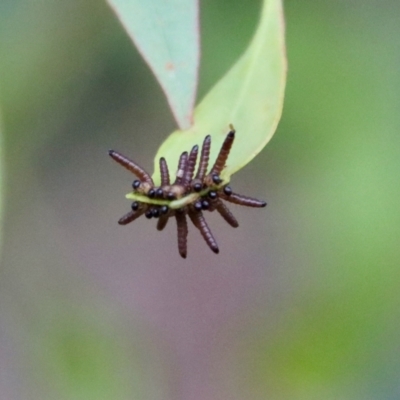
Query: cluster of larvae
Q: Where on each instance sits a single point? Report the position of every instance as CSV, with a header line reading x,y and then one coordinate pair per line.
x,y
188,195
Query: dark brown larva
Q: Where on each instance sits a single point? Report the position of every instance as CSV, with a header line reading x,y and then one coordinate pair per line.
x,y
164,172
181,168
191,163
207,192
243,200
182,227
200,223
162,222
226,213
205,155
131,216
223,153
131,166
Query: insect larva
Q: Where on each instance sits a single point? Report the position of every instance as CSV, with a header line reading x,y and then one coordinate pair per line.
x,y
219,164
162,222
181,168
200,223
191,163
243,200
182,228
204,156
164,172
131,216
226,213
131,166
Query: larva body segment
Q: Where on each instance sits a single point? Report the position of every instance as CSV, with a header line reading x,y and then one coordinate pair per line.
x,y
181,224
243,200
226,213
131,216
200,223
219,164
204,157
164,172
131,166
180,173
162,222
191,163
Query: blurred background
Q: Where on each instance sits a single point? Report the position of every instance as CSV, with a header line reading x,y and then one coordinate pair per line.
x,y
303,300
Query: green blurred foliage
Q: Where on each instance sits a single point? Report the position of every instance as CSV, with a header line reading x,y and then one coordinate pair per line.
x,y
327,327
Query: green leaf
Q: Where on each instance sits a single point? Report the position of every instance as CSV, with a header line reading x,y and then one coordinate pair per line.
x,y
249,96
167,36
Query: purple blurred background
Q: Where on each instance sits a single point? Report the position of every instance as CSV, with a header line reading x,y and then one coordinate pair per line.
x,y
302,301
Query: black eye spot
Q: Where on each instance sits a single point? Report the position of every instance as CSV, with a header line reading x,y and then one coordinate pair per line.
x,y
148,214
205,205
151,193
197,187
198,205
164,209
135,206
159,193
155,212
227,190
216,179
170,196
135,184
212,195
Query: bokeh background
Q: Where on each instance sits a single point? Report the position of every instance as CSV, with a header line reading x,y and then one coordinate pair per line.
x,y
303,300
